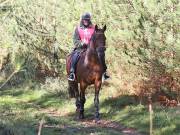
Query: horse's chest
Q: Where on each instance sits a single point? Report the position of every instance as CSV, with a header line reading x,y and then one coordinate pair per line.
x,y
93,75
89,72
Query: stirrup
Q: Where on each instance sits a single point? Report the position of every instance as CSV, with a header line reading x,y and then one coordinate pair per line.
x,y
73,76
105,77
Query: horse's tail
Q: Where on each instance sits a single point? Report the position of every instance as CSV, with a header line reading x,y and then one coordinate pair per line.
x,y
72,85
72,89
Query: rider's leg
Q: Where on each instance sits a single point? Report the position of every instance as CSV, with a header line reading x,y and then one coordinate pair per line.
x,y
105,76
101,55
75,57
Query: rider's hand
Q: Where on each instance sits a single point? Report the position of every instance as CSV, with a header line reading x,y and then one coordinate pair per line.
x,y
85,46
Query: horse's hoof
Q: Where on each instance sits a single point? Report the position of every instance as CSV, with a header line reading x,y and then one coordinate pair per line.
x,y
77,110
76,118
81,117
97,120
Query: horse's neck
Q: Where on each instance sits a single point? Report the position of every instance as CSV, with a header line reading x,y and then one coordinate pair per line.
x,y
91,45
91,54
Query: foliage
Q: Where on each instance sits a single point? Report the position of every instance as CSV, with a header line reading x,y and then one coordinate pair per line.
x,y
22,109
55,85
143,57
142,37
154,40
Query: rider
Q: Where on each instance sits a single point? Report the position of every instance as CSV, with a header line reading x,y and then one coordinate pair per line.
x,y
81,39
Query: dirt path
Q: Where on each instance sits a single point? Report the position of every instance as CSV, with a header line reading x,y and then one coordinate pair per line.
x,y
89,123
103,124
111,125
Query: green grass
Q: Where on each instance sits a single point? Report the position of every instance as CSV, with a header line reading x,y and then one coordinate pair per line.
x,y
21,111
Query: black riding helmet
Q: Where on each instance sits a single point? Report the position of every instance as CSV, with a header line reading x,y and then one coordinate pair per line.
x,y
86,16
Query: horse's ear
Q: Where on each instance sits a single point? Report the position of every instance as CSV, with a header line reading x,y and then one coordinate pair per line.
x,y
104,28
96,27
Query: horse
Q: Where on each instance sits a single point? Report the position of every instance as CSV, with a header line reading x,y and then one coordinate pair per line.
x,y
89,70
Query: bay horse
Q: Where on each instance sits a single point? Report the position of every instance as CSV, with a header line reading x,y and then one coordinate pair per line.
x,y
89,70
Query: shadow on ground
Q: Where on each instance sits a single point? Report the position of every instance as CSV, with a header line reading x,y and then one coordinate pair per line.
x,y
21,111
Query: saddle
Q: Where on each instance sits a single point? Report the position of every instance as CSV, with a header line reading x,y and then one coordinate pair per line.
x,y
70,56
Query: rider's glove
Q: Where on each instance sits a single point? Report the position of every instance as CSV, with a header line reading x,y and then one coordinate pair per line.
x,y
83,45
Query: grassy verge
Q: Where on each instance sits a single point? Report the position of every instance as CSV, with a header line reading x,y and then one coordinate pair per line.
x,y
21,110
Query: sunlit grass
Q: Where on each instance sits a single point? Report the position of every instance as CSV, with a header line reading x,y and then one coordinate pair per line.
x,y
21,110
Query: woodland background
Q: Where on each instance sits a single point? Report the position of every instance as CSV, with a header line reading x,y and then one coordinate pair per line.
x,y
143,49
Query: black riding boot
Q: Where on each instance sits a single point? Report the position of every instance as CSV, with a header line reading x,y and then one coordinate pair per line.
x,y
75,57
101,55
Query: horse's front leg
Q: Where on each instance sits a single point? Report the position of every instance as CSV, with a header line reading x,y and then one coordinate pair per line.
x,y
96,100
77,104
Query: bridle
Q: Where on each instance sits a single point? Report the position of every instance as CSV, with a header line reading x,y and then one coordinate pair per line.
x,y
99,49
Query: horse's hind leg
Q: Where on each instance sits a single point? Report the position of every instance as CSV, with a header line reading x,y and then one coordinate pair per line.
x,y
74,93
96,100
83,86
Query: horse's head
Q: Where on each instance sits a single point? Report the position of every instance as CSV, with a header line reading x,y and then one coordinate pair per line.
x,y
99,37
